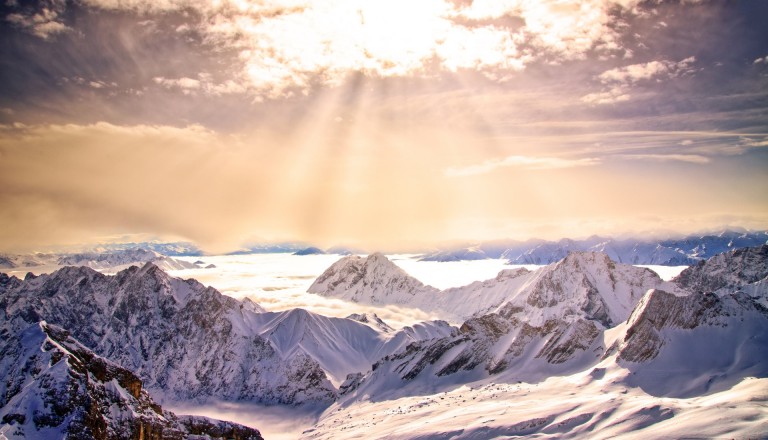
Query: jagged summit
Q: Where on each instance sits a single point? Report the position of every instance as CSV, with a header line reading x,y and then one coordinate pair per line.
x,y
373,320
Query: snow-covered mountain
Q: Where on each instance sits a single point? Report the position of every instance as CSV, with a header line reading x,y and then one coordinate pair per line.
x,y
106,260
463,254
669,252
55,387
99,260
539,323
12,261
730,270
188,341
702,341
182,338
584,323
369,280
376,280
573,315
340,346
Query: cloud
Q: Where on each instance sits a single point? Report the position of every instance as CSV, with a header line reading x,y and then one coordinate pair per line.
x,y
754,143
647,71
762,60
618,82
690,158
204,83
44,23
612,95
527,162
286,47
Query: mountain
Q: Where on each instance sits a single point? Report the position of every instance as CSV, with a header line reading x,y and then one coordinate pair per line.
x,y
730,270
106,260
587,312
489,249
171,249
186,341
464,254
344,250
702,341
13,261
55,387
376,280
340,346
540,323
310,251
668,252
369,280
270,248
189,342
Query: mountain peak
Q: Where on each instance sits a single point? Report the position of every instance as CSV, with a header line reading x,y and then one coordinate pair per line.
x,y
373,279
585,284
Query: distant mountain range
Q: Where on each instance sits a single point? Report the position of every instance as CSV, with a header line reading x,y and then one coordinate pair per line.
x,y
83,351
97,260
668,252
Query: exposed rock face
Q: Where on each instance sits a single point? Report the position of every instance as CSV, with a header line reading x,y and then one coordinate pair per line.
x,y
729,270
184,339
57,388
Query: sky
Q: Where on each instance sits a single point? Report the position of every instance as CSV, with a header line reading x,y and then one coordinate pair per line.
x,y
379,123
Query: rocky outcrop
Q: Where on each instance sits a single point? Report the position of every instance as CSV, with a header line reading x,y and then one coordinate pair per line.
x,y
60,389
660,311
730,270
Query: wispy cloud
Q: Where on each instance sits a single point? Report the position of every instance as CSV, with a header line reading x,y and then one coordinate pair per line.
x,y
618,82
690,158
752,142
527,162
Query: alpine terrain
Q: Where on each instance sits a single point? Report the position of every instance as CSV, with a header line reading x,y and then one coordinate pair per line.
x,y
585,346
